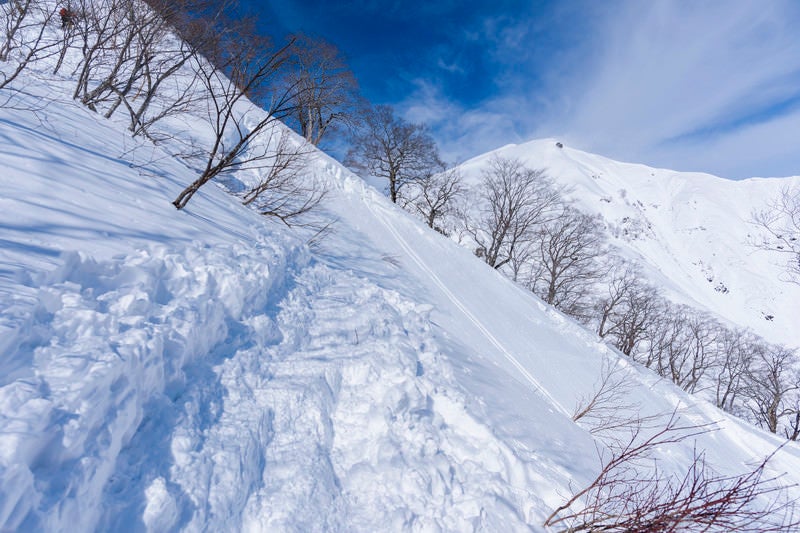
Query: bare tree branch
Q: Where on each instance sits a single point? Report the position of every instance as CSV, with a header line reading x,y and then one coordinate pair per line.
x,y
386,146
780,223
628,495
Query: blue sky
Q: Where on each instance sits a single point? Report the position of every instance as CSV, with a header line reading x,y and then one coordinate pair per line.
x,y
691,85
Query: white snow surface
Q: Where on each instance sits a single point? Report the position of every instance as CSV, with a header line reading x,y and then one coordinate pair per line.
x,y
692,232
206,370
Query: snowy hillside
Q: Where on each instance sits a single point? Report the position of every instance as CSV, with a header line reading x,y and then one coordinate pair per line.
x,y
691,231
203,370
210,369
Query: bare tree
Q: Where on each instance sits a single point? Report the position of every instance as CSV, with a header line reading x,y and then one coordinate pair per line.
x,y
167,50
736,349
101,29
628,308
130,48
792,429
24,37
388,147
148,46
771,378
121,64
605,411
630,495
325,90
511,202
435,196
282,191
566,263
780,222
642,308
683,346
248,70
702,354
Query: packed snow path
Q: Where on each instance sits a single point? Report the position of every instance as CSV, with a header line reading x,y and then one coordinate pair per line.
x,y
107,348
341,404
170,393
352,399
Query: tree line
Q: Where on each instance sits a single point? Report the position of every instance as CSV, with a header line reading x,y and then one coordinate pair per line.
x,y
520,222
156,61
524,226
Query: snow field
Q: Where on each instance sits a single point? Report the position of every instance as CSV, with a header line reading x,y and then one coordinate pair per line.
x,y
353,415
107,340
203,371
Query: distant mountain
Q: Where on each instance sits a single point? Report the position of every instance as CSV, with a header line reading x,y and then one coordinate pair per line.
x,y
690,231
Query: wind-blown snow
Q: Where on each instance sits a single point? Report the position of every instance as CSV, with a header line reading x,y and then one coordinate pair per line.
x,y
206,370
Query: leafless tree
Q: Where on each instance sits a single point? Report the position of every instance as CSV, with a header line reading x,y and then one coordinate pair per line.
x,y
606,411
624,277
627,310
147,39
100,29
135,32
702,354
510,204
282,190
566,263
247,69
24,38
736,349
683,346
630,495
168,48
324,88
772,378
435,196
792,429
780,223
130,48
386,146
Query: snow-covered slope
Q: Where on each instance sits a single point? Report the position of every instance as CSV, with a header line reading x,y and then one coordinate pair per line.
x,y
204,370
691,231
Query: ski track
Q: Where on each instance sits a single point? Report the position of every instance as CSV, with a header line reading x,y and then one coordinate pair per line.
x,y
464,310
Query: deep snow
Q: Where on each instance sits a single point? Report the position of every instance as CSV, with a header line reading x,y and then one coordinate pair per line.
x,y
207,370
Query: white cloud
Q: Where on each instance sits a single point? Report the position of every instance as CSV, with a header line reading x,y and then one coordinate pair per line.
x,y
461,133
667,70
678,84
764,149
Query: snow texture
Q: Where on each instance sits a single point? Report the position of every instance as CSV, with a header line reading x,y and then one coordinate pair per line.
x,y
206,370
